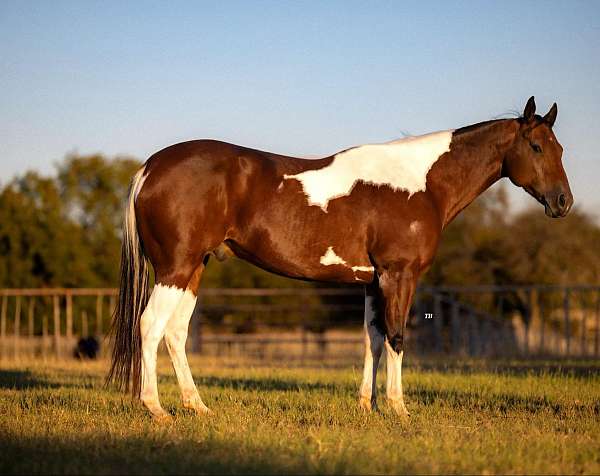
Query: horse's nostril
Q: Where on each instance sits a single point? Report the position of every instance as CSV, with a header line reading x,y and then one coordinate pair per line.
x,y
562,200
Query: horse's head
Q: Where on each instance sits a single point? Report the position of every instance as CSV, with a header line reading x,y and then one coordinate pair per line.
x,y
534,162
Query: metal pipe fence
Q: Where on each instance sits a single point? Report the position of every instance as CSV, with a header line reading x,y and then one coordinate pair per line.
x,y
536,320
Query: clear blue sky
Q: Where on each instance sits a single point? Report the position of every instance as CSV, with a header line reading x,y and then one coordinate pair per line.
x,y
305,78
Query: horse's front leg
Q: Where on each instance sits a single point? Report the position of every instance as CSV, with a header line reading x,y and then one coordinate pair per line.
x,y
374,337
397,288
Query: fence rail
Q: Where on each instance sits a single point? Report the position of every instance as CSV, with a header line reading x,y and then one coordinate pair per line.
x,y
475,320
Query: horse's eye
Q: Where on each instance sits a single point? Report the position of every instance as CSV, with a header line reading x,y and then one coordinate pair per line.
x,y
536,148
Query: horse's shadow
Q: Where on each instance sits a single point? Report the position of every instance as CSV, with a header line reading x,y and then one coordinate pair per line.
x,y
581,370
270,384
24,379
213,456
501,403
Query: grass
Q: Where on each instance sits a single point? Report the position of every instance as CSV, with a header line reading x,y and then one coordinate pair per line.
x,y
475,417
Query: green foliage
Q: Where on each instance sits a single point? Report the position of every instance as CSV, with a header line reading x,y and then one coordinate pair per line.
x,y
39,247
64,231
465,419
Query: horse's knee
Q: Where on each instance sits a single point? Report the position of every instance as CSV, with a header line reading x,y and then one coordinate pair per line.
x,y
397,343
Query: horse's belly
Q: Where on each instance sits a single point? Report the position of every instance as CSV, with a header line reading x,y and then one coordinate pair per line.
x,y
315,261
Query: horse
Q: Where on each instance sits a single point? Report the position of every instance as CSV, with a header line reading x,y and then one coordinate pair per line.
x,y
370,215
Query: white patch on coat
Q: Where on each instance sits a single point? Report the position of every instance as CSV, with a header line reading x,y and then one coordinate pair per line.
x,y
330,258
366,269
402,164
414,227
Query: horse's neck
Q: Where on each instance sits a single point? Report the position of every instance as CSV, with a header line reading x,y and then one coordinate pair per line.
x,y
472,165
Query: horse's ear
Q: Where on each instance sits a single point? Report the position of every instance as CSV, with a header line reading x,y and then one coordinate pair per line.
x,y
529,109
550,118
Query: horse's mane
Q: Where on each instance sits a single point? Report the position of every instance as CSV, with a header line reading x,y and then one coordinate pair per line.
x,y
477,126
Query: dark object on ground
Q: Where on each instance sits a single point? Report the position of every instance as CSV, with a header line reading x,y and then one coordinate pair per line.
x,y
87,348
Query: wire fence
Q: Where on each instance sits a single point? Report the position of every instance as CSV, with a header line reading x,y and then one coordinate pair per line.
x,y
319,323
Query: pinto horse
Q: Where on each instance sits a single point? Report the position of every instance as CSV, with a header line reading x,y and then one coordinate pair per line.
x,y
372,215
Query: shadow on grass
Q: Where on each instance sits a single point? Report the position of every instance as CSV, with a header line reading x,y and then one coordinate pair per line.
x,y
161,455
270,384
24,379
582,369
500,403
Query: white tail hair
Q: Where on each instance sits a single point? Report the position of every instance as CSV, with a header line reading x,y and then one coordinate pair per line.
x,y
133,297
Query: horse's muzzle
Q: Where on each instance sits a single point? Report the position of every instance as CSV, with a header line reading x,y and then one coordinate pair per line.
x,y
557,204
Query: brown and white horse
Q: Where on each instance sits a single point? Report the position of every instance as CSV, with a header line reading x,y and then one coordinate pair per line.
x,y
372,214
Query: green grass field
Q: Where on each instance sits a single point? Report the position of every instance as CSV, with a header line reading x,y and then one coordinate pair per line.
x,y
470,418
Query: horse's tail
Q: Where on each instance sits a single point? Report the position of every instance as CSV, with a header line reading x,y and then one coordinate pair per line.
x,y
133,297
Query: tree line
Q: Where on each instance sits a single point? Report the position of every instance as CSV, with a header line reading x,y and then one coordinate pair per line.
x,y
64,231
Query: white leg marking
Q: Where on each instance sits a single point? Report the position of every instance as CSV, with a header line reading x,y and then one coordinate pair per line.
x,y
161,305
394,380
175,337
373,348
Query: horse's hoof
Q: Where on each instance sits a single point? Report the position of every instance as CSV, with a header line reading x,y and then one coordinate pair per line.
x,y
400,408
162,418
157,412
198,409
197,405
367,404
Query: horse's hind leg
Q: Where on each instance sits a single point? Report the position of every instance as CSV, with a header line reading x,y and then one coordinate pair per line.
x,y
163,303
175,337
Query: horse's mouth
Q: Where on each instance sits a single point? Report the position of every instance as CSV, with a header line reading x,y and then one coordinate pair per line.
x,y
554,213
547,210
542,199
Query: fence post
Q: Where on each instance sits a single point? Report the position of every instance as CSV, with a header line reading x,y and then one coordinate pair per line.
x,y
84,324
56,315
455,325
567,323
438,322
597,336
3,326
17,329
69,316
304,344
528,319
30,330
583,326
44,335
542,324
99,300
30,311
472,333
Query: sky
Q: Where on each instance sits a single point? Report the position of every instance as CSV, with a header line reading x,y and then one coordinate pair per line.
x,y
298,78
